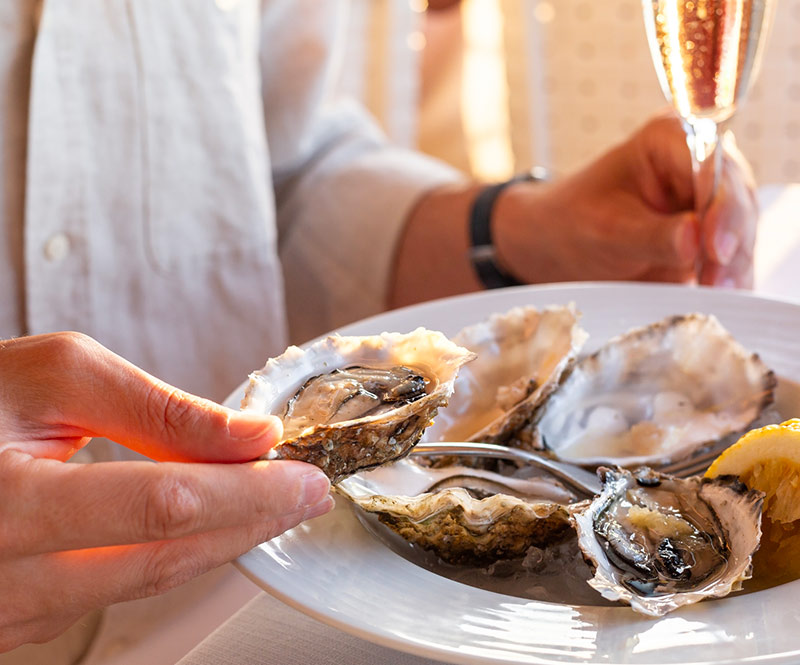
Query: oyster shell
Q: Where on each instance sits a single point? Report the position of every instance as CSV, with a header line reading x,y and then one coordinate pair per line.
x,y
463,515
469,515
520,358
350,403
658,542
654,395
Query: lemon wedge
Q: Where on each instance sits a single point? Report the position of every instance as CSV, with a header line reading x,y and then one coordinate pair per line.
x,y
768,459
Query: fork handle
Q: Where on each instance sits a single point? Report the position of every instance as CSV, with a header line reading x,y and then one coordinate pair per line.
x,y
579,479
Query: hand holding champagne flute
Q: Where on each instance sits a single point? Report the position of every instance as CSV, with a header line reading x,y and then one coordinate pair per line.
x,y
706,53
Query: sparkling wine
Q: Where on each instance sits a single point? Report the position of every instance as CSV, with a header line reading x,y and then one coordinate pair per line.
x,y
706,51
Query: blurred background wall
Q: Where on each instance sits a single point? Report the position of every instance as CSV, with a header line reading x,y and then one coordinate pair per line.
x,y
495,86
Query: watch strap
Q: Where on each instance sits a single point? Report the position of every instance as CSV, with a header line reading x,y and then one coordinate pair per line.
x,y
482,252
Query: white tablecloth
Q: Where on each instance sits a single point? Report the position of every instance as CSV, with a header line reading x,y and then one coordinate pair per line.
x,y
267,631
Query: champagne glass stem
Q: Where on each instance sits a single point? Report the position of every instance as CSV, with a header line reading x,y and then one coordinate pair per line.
x,y
702,135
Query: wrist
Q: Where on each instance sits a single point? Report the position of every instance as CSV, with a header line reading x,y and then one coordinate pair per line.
x,y
432,258
527,233
489,211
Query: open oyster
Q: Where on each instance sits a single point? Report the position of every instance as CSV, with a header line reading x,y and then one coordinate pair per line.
x,y
462,514
350,403
521,356
654,394
658,542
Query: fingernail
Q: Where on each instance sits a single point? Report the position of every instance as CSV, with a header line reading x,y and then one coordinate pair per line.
x,y
314,489
725,245
246,426
320,508
728,283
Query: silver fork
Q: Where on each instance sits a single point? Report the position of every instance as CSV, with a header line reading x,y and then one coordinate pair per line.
x,y
583,481
575,476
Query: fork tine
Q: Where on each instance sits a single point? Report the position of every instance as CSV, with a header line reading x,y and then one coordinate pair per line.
x,y
695,469
692,465
700,462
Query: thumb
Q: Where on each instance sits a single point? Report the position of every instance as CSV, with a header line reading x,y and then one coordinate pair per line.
x,y
75,387
165,423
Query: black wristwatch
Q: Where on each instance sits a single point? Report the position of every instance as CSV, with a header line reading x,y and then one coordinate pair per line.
x,y
482,251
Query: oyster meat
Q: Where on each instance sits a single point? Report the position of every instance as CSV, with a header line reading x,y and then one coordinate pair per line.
x,y
351,403
654,395
464,515
520,358
657,542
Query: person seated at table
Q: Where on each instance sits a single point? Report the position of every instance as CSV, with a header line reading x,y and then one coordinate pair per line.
x,y
178,186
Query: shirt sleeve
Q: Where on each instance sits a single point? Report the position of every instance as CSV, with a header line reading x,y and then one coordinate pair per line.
x,y
343,192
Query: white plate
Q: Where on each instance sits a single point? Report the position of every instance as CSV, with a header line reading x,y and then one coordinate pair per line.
x,y
333,570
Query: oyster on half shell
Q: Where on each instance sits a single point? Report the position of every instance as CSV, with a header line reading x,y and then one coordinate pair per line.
x,y
653,395
351,403
521,356
464,515
657,542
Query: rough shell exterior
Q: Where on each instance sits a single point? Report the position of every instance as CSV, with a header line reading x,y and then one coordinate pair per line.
x,y
453,523
340,451
444,523
342,448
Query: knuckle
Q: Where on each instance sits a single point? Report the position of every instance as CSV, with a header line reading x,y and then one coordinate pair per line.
x,y
168,567
73,349
173,508
176,412
171,409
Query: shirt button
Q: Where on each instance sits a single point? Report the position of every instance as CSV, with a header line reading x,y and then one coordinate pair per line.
x,y
57,247
227,5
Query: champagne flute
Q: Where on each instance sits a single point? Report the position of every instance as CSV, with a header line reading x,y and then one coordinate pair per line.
x,y
706,53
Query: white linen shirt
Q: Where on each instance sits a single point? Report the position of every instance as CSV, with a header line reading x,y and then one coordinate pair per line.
x,y
158,156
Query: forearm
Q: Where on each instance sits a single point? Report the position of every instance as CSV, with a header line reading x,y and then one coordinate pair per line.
x,y
433,257
628,215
